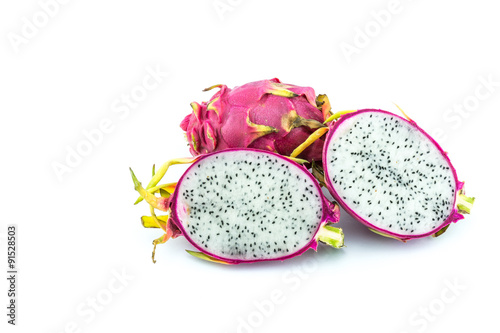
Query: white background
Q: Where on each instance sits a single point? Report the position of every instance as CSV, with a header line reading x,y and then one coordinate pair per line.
x,y
75,233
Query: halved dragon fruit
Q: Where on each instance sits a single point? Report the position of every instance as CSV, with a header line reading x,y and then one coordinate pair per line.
x,y
392,176
242,206
267,115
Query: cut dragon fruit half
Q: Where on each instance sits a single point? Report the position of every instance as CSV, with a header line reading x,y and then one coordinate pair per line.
x,y
392,176
245,205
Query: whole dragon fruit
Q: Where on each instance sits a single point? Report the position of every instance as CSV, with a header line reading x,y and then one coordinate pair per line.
x,y
266,115
242,206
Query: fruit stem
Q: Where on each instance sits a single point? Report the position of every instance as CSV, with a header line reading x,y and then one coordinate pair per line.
x,y
163,238
169,187
441,231
404,114
464,203
212,87
206,257
310,140
297,160
151,222
323,103
337,115
378,232
331,235
318,173
160,240
279,89
163,170
155,202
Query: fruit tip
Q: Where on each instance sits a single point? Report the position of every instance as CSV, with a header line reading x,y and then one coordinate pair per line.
x,y
404,114
137,184
206,257
212,87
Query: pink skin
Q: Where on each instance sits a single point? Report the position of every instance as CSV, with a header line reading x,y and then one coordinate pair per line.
x,y
222,122
331,214
454,215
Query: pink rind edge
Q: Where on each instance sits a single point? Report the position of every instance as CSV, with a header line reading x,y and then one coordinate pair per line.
x,y
328,214
454,215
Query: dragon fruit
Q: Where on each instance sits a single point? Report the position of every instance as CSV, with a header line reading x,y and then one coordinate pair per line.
x,y
392,176
242,206
266,115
